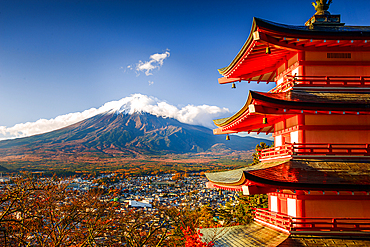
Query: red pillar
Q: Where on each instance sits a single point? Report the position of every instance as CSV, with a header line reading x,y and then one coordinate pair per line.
x,y
301,122
301,57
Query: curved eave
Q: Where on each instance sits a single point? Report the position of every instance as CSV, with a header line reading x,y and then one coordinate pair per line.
x,y
241,116
265,97
303,174
249,179
329,32
245,47
250,63
236,177
277,105
230,178
307,186
244,110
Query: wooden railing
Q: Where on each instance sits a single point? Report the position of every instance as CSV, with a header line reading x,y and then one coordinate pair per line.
x,y
323,225
276,152
330,224
310,149
321,81
286,85
280,220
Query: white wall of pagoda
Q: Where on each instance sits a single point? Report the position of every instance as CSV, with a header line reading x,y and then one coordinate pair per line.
x,y
289,68
322,128
287,131
321,204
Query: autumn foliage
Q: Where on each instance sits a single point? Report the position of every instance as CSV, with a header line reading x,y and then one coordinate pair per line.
x,y
193,239
46,212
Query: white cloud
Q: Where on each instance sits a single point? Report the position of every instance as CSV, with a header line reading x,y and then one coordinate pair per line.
x,y
44,125
155,62
190,114
151,82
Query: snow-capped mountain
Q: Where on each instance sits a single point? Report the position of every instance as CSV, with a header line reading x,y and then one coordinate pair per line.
x,y
124,133
196,115
134,128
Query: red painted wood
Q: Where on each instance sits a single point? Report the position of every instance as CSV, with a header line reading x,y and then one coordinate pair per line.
x,y
319,45
335,127
321,81
313,149
344,195
300,208
224,80
335,63
351,226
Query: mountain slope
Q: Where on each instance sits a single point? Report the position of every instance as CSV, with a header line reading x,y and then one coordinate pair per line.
x,y
138,133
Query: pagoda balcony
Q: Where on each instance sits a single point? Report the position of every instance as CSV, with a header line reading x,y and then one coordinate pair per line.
x,y
313,226
322,82
315,150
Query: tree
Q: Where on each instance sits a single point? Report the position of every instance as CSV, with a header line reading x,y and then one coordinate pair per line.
x,y
186,222
258,149
47,212
138,228
241,210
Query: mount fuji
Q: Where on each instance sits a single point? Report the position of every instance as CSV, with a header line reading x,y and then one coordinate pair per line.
x,y
135,127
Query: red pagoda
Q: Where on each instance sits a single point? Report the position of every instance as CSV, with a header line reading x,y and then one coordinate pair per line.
x,y
317,175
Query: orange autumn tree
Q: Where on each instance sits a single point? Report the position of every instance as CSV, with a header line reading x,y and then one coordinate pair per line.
x,y
47,212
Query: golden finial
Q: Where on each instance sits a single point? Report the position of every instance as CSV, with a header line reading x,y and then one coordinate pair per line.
x,y
322,6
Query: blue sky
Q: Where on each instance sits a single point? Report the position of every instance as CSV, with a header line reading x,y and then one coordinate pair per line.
x,y
63,56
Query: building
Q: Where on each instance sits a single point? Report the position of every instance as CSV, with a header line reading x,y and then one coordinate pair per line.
x,y
317,176
137,204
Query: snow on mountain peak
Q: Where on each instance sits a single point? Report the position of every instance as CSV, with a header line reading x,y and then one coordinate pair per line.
x,y
190,114
139,103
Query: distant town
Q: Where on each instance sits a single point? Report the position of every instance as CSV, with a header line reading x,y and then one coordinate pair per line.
x,y
170,190
110,209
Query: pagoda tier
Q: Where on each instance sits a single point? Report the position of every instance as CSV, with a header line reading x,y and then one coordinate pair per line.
x,y
303,110
296,175
303,174
317,174
274,50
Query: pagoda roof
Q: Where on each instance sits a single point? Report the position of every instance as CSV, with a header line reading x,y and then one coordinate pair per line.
x,y
276,105
316,99
253,64
306,174
256,234
323,30
253,234
237,176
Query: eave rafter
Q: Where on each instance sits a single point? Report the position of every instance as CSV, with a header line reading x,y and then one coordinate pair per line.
x,y
251,119
274,53
256,125
337,44
259,72
268,108
279,57
309,42
310,45
270,130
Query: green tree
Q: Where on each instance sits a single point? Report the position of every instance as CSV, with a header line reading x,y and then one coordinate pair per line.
x,y
241,210
258,149
244,211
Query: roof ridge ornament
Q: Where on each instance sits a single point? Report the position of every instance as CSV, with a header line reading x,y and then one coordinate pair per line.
x,y
322,6
322,17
